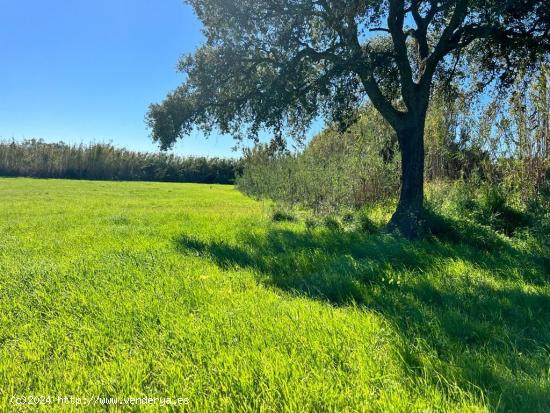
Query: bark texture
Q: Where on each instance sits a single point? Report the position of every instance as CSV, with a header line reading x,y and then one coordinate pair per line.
x,y
408,217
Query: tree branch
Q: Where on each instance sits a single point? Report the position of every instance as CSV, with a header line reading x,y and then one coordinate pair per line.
x,y
447,42
380,102
422,23
349,36
396,18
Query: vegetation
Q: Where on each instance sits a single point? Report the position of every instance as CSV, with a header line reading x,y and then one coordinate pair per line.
x,y
335,171
279,65
142,289
300,299
35,158
502,143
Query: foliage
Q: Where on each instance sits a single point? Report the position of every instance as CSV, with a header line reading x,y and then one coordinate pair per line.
x,y
515,129
483,204
271,64
500,146
352,169
335,171
35,158
153,289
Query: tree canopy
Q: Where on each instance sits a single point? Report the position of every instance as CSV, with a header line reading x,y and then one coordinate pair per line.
x,y
279,64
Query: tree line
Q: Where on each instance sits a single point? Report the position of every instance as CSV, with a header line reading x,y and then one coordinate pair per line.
x,y
100,161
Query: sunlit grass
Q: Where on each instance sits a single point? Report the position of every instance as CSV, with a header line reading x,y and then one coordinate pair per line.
x,y
181,290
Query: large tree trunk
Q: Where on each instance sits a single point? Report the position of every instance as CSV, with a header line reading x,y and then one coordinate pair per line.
x,y
408,217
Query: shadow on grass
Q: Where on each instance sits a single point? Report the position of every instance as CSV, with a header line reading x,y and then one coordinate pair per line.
x,y
465,302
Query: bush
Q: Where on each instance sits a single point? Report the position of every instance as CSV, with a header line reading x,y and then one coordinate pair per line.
x,y
337,171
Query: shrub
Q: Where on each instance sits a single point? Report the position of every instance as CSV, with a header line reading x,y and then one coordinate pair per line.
x,y
337,171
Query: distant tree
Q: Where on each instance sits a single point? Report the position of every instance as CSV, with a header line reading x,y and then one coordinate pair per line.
x,y
280,64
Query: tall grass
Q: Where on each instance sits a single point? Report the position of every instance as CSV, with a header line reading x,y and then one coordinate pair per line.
x,y
35,158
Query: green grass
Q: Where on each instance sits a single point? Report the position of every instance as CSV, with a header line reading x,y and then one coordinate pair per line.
x,y
181,290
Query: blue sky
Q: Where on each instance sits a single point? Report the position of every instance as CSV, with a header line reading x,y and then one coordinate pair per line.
x,y
83,71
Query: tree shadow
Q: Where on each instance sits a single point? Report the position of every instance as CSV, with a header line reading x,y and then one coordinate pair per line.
x,y
489,329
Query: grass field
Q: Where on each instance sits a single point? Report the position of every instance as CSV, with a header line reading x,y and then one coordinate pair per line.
x,y
181,290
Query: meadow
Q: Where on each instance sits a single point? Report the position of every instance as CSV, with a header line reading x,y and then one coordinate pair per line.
x,y
136,289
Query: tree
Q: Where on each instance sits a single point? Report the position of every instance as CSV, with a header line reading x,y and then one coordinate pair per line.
x,y
281,64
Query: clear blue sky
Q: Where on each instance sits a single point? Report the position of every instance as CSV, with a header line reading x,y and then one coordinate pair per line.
x,y
83,71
